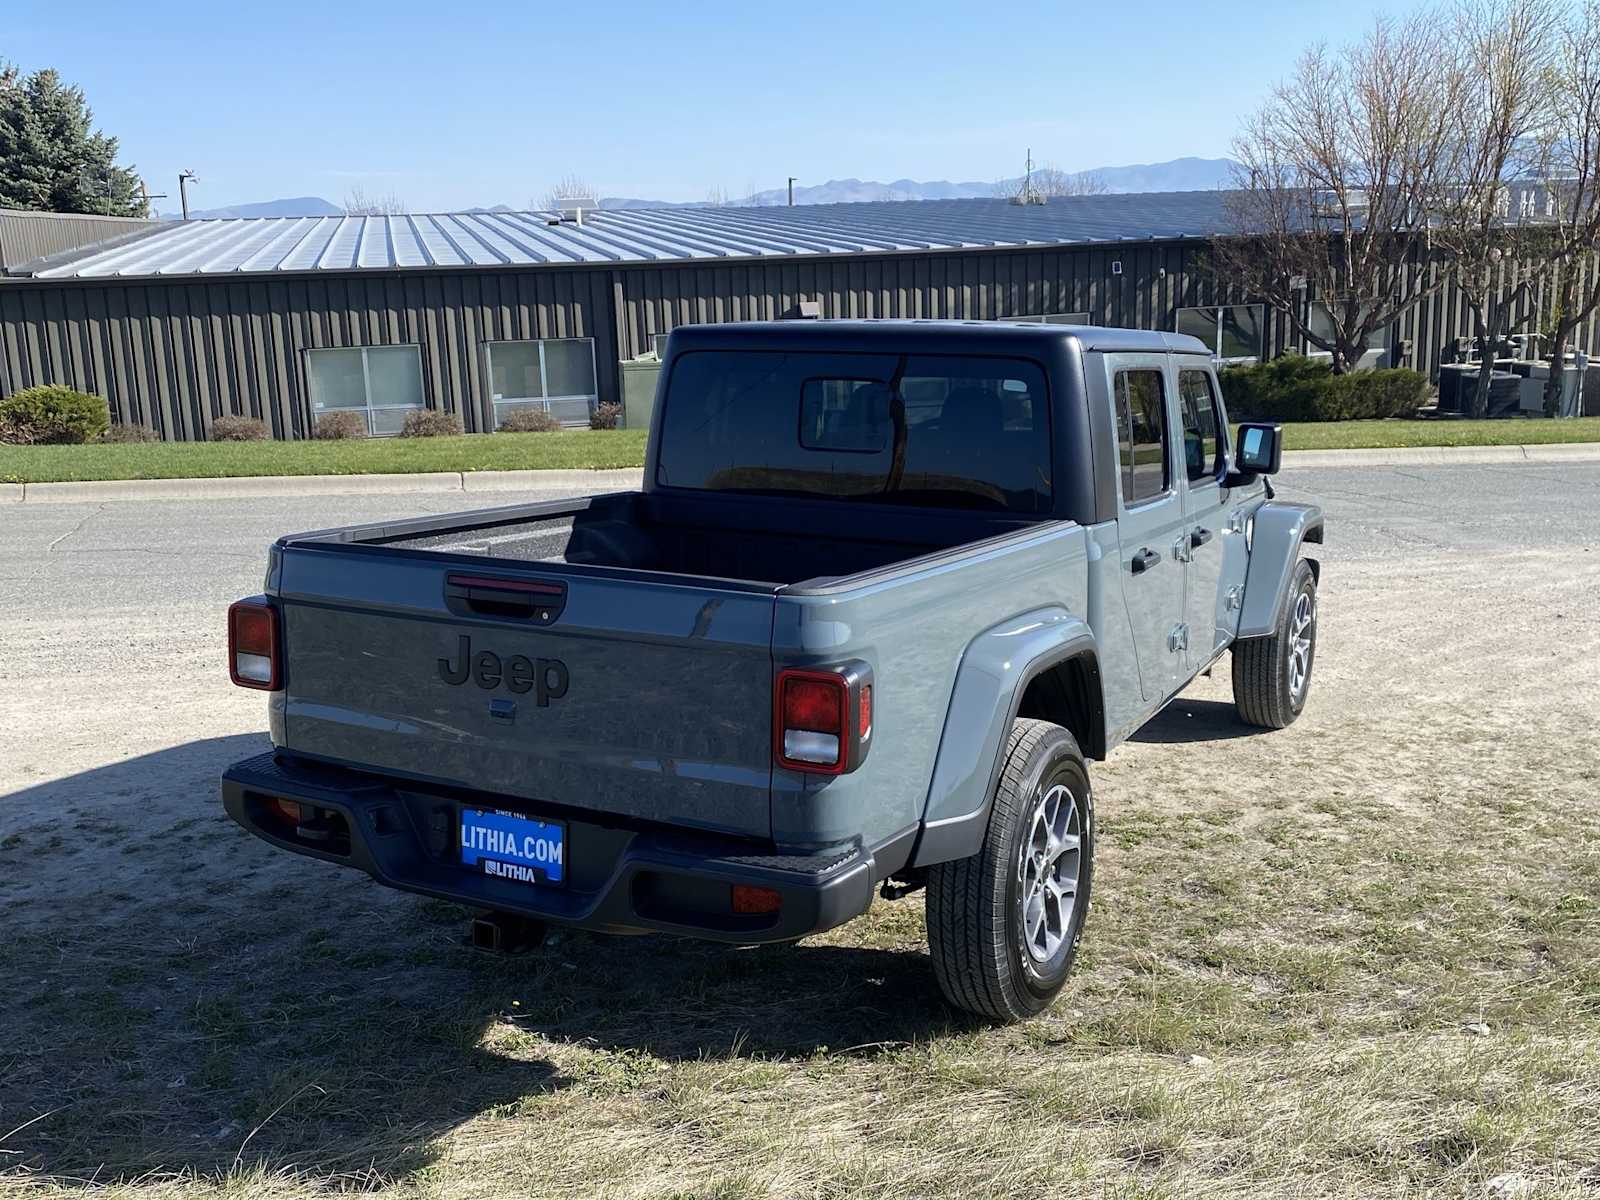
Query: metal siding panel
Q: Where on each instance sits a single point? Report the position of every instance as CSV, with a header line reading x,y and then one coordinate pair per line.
x,y
12,365
283,351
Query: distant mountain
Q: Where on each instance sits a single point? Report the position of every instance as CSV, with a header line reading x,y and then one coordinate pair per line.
x,y
1178,175
632,202
297,206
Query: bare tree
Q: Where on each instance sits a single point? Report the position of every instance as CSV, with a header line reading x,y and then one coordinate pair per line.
x,y
358,203
571,192
1333,173
1569,165
1052,181
1483,213
717,197
1041,184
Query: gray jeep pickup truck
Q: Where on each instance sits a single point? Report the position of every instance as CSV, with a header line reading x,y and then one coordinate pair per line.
x,y
887,587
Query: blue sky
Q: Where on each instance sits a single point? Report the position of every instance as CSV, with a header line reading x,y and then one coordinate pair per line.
x,y
451,105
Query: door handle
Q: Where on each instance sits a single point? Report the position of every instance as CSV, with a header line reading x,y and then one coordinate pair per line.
x,y
1199,538
1144,560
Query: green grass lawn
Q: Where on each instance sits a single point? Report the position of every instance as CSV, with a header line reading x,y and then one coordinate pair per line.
x,y
567,449
584,448
1354,435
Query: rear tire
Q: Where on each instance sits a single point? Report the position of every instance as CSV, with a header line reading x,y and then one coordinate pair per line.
x,y
1001,931
1272,675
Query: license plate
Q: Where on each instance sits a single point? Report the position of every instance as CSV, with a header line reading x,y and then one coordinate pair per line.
x,y
504,845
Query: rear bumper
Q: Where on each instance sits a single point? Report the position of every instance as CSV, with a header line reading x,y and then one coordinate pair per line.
x,y
621,880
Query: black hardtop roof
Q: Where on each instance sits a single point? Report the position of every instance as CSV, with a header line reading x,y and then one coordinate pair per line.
x,y
884,335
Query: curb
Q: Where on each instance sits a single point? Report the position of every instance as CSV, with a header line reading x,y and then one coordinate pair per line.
x,y
1418,456
247,487
533,481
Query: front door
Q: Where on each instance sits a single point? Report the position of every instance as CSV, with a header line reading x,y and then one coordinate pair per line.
x,y
1151,519
1210,612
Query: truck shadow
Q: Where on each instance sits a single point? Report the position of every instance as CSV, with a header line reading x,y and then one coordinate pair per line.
x,y
1186,720
179,997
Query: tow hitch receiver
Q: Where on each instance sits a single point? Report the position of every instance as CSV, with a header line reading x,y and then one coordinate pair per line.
x,y
507,933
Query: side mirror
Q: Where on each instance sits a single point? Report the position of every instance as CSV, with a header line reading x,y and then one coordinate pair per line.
x,y
1259,449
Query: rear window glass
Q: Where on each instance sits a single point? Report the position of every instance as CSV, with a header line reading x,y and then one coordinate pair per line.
x,y
935,430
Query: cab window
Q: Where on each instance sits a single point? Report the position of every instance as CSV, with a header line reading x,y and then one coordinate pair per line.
x,y
1202,426
1142,434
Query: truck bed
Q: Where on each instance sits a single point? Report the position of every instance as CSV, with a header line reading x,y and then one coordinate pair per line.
x,y
773,541
641,688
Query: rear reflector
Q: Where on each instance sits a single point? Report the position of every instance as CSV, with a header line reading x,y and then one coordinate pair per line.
x,y
747,899
253,645
287,811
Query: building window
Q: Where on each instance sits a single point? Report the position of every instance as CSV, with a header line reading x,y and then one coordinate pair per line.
x,y
1073,318
1232,331
556,374
382,383
1321,324
1142,435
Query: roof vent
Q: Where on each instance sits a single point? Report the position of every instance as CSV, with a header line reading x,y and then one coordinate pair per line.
x,y
572,209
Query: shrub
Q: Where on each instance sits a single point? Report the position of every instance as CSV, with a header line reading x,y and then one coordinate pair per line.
x,y
238,429
336,426
1296,388
128,434
529,420
425,422
52,415
605,416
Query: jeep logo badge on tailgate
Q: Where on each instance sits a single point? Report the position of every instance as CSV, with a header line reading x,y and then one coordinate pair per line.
x,y
546,677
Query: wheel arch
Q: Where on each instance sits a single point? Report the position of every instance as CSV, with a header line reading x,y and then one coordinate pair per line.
x,y
1279,529
1042,664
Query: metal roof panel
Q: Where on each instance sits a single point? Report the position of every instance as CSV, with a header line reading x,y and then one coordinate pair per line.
x,y
639,235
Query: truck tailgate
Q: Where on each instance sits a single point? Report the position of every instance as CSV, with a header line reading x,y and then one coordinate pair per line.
x,y
640,698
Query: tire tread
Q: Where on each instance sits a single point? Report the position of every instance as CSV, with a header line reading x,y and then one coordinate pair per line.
x,y
966,902
1260,680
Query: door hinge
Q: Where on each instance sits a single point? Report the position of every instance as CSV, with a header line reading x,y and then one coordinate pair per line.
x,y
1181,551
1178,639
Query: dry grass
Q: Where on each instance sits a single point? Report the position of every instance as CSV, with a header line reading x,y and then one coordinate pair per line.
x,y
1378,930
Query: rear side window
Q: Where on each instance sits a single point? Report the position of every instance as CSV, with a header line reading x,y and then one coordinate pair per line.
x,y
944,431
1142,434
1202,426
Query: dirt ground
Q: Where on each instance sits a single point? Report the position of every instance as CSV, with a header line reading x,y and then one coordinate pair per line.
x,y
1358,957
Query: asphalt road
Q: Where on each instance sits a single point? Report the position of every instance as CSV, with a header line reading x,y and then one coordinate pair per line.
x,y
111,615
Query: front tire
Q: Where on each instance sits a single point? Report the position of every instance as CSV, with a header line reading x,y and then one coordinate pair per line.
x,y
1272,675
1004,925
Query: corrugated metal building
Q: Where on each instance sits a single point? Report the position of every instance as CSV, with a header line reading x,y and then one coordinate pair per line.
x,y
482,313
27,236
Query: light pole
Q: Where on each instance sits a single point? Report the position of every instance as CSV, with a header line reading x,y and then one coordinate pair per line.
x,y
185,178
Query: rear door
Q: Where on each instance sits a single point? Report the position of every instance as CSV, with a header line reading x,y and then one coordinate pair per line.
x,y
628,696
1150,522
1206,510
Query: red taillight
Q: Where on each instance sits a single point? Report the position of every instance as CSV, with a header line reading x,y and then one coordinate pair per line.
x,y
814,704
748,899
253,645
287,811
821,719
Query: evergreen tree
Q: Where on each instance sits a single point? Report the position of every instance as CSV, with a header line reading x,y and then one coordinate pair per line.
x,y
51,156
